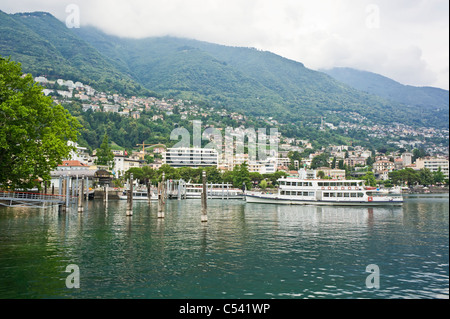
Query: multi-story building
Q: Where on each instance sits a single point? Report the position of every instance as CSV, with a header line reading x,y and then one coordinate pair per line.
x,y
191,157
381,166
433,164
353,161
407,158
332,173
122,164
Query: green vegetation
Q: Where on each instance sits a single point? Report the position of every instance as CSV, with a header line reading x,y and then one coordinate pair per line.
x,y
104,154
237,177
255,82
431,102
45,46
258,84
320,161
34,132
410,177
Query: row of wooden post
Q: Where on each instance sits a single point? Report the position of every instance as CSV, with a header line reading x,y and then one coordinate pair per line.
x,y
162,196
64,192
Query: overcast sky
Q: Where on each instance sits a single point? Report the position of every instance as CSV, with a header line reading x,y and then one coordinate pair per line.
x,y
406,40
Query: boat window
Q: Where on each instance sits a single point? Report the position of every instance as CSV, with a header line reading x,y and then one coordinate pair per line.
x,y
282,192
311,193
353,194
339,195
294,183
346,194
288,183
360,195
332,194
320,184
282,183
326,194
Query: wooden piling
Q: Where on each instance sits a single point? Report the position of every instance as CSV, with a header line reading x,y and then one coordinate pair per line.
x,y
87,190
67,192
80,196
130,197
149,192
204,199
161,200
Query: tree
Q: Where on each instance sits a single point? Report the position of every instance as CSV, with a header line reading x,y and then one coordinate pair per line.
x,y
104,154
241,176
369,178
263,184
418,153
321,174
438,177
320,161
407,175
294,156
34,132
425,177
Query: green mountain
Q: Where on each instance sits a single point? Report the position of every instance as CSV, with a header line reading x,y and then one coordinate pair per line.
x,y
373,83
45,46
256,82
247,80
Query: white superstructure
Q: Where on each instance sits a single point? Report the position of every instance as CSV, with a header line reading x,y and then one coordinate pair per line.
x,y
295,191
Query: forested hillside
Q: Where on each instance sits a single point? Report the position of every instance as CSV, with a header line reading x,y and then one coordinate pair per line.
x,y
259,84
422,98
45,46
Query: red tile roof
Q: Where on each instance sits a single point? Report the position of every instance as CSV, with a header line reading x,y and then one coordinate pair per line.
x,y
73,163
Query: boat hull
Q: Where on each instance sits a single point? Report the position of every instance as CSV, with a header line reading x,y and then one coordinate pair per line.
x,y
216,197
289,201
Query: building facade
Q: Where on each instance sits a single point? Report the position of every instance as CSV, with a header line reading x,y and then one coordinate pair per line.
x,y
433,164
381,166
191,157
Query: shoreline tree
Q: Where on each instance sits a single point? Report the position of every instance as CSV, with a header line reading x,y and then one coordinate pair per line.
x,y
34,132
105,156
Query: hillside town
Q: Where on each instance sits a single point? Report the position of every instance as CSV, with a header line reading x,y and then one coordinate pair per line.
x,y
341,159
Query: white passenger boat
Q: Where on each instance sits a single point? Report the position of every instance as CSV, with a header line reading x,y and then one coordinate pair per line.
x,y
139,195
213,191
295,191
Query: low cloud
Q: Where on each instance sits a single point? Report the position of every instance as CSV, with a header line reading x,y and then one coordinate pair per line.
x,y
406,40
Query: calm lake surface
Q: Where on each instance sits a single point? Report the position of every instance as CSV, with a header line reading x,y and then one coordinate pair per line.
x,y
243,251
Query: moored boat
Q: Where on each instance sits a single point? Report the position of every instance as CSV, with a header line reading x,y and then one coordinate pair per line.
x,y
295,191
213,191
138,195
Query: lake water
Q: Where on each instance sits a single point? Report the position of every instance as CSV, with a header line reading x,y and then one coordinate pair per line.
x,y
243,251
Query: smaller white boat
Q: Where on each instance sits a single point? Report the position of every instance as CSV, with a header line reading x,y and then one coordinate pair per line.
x,y
139,195
213,191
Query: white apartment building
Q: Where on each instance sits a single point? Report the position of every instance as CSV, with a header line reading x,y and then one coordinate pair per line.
x,y
433,164
381,166
123,164
191,157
